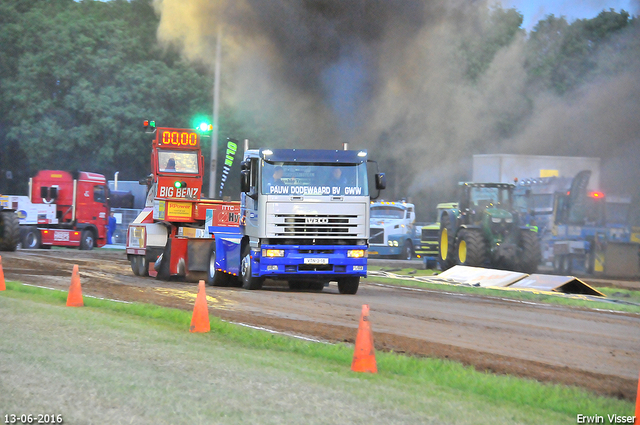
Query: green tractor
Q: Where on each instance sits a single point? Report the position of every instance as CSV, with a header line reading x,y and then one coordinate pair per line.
x,y
9,229
483,230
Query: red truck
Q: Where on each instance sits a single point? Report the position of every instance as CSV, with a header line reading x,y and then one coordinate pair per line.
x,y
63,210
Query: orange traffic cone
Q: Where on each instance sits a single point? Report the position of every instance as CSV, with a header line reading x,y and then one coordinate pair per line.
x,y
364,359
74,299
2,284
200,318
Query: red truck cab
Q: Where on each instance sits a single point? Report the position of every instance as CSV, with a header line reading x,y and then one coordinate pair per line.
x,y
82,208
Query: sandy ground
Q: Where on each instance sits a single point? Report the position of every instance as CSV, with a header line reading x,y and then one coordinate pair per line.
x,y
596,350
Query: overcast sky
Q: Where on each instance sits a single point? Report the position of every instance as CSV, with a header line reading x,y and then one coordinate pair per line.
x,y
534,11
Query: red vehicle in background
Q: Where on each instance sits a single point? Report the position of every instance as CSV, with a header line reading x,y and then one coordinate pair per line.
x,y
63,210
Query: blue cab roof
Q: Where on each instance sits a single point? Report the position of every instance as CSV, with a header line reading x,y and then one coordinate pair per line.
x,y
313,156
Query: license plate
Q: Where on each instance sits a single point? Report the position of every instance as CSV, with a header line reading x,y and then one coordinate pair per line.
x,y
316,261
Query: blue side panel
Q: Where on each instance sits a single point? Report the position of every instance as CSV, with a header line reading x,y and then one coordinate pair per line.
x,y
228,253
230,261
310,261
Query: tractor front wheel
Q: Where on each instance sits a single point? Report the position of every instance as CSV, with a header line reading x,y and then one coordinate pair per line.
x,y
445,245
472,249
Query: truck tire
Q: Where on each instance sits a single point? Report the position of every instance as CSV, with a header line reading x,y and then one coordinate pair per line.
x,y
445,245
248,281
162,266
31,238
143,266
135,268
9,231
87,240
407,251
471,248
530,255
216,277
348,285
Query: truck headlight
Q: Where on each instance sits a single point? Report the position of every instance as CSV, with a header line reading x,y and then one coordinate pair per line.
x,y
356,253
496,219
273,253
137,237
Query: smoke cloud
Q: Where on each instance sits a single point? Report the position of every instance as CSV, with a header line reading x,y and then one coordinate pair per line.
x,y
387,75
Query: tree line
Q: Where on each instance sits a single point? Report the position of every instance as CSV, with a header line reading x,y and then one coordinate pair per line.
x,y
78,78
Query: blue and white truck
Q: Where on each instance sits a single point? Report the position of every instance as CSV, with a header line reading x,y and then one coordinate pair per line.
x,y
303,217
394,232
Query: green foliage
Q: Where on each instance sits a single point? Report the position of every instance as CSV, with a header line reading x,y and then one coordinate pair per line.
x,y
86,75
561,56
497,29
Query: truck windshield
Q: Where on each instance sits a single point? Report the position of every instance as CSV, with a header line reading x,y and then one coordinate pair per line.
x,y
314,179
387,212
177,162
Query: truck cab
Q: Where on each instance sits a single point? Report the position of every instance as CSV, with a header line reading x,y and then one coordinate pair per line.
x,y
393,230
305,215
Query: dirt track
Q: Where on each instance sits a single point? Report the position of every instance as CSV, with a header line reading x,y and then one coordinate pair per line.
x,y
596,350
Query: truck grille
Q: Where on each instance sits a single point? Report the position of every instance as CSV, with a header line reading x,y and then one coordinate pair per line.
x,y
316,225
377,236
430,235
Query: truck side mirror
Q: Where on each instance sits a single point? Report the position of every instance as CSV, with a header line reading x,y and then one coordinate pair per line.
x,y
381,181
244,181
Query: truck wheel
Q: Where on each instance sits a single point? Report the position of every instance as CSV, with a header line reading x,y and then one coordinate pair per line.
x,y
530,255
87,240
248,281
143,266
445,245
134,264
216,277
162,263
9,231
31,239
407,251
472,250
348,285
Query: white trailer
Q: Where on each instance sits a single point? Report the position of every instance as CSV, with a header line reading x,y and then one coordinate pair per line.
x,y
505,168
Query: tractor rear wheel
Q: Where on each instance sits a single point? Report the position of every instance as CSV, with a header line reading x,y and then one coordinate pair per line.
x,y
530,254
9,231
446,256
472,249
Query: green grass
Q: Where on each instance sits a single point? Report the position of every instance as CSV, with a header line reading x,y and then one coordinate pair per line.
x,y
612,294
406,389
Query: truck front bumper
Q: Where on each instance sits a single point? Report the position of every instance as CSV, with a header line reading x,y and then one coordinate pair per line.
x,y
309,261
384,250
